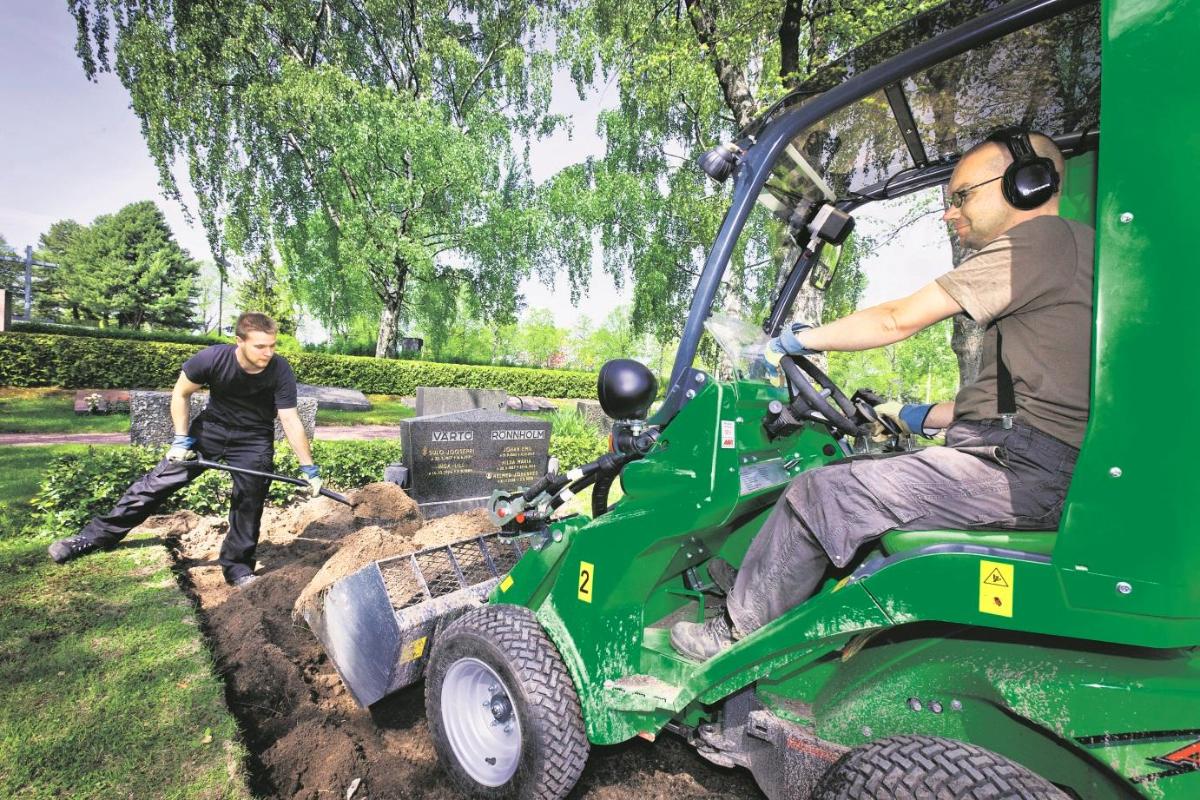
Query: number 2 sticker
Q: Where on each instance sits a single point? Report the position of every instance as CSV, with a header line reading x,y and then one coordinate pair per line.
x,y
587,575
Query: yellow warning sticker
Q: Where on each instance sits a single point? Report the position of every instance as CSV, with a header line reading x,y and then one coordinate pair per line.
x,y
506,583
587,576
413,650
995,588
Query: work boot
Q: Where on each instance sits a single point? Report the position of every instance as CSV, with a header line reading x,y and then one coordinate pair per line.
x,y
245,580
723,574
65,550
701,641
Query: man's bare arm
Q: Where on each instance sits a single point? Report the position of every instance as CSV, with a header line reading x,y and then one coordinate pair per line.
x,y
293,429
884,324
940,416
181,416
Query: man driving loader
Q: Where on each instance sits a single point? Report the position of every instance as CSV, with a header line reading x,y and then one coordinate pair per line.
x,y
1013,434
249,383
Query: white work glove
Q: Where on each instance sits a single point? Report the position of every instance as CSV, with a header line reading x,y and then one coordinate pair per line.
x,y
909,418
312,474
181,448
785,344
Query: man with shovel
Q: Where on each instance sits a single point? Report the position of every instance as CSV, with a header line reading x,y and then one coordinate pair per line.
x,y
248,385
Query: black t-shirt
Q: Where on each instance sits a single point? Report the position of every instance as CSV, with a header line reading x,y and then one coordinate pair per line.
x,y
236,397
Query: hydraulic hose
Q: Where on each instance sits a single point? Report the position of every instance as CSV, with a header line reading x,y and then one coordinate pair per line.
x,y
604,482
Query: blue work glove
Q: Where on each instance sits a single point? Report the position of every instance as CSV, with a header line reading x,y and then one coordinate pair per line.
x,y
312,474
181,448
909,418
785,344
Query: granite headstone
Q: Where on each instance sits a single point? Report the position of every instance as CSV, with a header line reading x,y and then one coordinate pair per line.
x,y
101,401
593,413
433,400
150,416
335,397
455,461
5,310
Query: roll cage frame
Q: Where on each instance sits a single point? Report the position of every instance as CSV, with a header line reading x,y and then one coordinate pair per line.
x,y
776,133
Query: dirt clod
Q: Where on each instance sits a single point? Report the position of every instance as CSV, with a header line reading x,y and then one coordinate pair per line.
x,y
307,738
386,505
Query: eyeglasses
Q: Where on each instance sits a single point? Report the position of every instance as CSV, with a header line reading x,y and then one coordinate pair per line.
x,y
958,198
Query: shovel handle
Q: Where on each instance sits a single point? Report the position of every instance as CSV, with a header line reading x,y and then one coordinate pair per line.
x,y
202,462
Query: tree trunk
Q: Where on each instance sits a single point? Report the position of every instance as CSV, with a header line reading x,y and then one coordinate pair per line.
x,y
967,339
735,88
390,288
389,328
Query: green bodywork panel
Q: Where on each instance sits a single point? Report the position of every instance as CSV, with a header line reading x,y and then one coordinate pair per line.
x,y
1070,651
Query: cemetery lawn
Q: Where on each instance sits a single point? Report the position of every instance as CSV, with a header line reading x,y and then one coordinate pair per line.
x,y
386,409
106,687
52,411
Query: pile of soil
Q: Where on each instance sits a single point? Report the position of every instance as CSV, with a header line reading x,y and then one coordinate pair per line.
x,y
307,738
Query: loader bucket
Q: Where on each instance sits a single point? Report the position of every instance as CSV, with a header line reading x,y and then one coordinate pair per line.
x,y
377,624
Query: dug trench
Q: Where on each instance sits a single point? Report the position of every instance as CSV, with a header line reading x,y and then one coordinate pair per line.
x,y
306,737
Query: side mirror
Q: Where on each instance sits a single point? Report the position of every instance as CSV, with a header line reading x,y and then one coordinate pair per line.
x,y
826,267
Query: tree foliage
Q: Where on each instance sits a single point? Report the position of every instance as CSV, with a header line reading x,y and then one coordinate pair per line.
x,y
125,269
9,269
690,73
263,289
369,142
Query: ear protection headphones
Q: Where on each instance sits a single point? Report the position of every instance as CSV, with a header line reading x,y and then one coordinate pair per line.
x,y
1030,179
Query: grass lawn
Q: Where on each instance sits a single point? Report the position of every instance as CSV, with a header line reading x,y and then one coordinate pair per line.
x,y
386,409
106,688
52,411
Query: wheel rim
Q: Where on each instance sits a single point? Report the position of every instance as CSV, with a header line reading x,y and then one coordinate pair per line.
x,y
481,724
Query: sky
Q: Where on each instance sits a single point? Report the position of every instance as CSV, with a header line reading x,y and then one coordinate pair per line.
x,y
72,149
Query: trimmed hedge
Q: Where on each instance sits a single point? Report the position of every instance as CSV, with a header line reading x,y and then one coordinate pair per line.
x,y
75,362
75,487
118,333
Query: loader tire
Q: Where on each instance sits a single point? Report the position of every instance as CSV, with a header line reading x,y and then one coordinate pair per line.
x,y
929,768
503,712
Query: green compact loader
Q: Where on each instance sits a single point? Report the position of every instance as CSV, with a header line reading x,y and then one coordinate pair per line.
x,y
980,664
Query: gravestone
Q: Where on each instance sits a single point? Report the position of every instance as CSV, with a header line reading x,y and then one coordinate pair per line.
x,y
150,416
5,310
455,461
530,404
335,397
434,400
593,413
101,401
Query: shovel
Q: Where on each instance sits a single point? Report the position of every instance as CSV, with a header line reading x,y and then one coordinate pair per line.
x,y
341,498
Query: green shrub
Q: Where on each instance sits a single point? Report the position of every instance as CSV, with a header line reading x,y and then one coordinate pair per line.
x,y
76,487
573,440
120,333
574,450
79,362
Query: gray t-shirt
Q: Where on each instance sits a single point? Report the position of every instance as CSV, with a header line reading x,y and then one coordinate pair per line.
x,y
1034,284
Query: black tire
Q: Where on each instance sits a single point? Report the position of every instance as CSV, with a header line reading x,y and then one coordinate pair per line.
x,y
553,746
928,768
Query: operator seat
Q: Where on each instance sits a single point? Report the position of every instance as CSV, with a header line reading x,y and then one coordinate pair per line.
x,y
1040,542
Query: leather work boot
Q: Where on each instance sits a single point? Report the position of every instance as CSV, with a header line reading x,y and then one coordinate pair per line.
x,y
723,574
65,550
701,641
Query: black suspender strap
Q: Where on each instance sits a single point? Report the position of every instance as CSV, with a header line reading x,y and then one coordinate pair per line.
x,y
1006,396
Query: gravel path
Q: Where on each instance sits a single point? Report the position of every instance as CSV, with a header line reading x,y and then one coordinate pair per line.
x,y
323,432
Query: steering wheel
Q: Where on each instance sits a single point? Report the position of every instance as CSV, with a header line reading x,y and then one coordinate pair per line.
x,y
823,402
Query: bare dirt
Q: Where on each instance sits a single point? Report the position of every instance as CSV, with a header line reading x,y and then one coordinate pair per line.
x,y
307,738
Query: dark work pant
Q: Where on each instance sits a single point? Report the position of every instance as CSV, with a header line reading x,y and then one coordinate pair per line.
x,y
238,447
986,477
